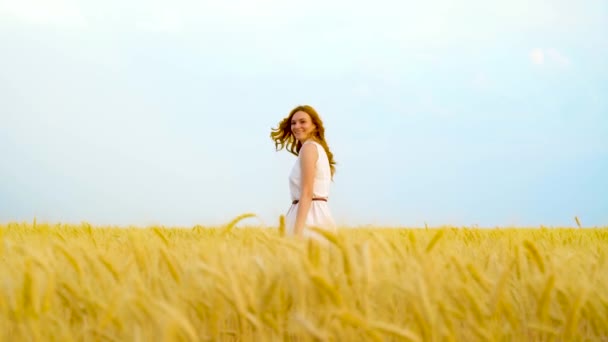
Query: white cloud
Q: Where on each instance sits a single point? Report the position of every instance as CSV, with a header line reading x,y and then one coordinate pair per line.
x,y
362,90
550,56
537,56
481,81
556,57
60,13
160,19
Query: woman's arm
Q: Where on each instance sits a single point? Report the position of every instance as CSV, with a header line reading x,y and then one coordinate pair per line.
x,y
308,161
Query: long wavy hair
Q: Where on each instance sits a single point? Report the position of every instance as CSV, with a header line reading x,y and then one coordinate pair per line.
x,y
284,138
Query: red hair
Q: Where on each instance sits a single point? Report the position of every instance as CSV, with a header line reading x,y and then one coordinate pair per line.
x,y
283,137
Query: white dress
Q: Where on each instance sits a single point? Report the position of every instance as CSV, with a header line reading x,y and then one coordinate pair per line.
x,y
319,214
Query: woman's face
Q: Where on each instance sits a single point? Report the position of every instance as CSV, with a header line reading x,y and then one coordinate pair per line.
x,y
302,126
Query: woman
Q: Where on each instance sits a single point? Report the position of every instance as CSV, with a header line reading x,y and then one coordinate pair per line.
x,y
303,134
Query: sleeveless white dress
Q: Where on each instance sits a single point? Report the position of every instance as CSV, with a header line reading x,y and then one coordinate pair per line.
x,y
319,214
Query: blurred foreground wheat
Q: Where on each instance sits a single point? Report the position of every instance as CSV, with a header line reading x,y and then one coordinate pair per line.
x,y
83,283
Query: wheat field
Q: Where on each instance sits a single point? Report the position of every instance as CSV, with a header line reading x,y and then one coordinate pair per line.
x,y
63,282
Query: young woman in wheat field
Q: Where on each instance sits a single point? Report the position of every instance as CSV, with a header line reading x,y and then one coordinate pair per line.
x,y
302,134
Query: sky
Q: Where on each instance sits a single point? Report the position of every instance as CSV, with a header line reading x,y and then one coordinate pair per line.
x,y
461,113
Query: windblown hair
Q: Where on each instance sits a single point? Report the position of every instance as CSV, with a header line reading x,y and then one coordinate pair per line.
x,y
284,138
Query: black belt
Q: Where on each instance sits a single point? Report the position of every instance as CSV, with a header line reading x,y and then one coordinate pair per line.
x,y
314,199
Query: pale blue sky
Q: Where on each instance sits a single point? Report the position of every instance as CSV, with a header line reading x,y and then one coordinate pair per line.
x,y
445,112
